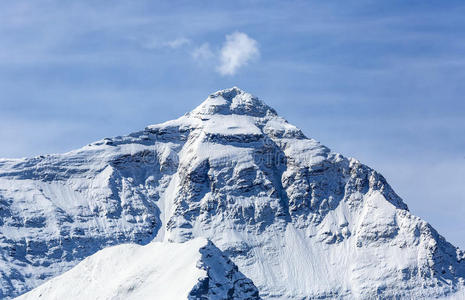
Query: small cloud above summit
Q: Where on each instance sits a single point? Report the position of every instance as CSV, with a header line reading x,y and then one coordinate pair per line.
x,y
236,52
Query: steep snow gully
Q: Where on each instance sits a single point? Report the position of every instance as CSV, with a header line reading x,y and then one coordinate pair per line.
x,y
231,199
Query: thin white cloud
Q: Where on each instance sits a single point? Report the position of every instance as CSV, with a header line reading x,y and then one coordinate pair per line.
x,y
236,52
173,44
176,43
203,52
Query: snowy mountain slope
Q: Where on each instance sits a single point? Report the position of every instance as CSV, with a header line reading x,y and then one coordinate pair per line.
x,y
195,270
297,219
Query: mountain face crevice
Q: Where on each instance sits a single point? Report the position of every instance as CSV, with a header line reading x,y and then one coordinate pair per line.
x,y
298,220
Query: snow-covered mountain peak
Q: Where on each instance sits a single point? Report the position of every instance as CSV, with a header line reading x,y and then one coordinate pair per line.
x,y
233,101
299,220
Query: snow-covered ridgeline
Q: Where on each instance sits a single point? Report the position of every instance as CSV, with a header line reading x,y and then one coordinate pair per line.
x,y
195,270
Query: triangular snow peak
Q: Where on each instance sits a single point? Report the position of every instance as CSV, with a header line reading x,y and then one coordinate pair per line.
x,y
194,270
233,101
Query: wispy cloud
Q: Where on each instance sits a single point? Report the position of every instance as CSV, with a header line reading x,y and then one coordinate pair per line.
x,y
176,43
173,44
236,52
203,52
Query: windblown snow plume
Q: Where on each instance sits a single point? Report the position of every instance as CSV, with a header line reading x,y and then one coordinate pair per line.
x,y
277,214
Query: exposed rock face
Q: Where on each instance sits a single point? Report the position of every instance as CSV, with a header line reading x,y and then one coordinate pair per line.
x,y
297,219
222,280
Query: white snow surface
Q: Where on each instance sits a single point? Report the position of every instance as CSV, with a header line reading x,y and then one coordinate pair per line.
x,y
129,271
154,271
299,220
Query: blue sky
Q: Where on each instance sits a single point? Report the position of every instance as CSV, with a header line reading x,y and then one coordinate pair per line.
x,y
382,81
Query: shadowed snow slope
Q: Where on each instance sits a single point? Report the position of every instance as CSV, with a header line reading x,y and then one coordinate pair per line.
x,y
297,219
194,270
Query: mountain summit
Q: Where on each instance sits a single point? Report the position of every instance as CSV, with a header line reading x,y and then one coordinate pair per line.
x,y
233,101
290,218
